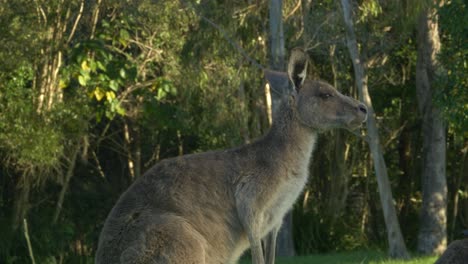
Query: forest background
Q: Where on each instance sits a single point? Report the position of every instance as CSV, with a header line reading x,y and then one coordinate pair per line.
x,y
94,92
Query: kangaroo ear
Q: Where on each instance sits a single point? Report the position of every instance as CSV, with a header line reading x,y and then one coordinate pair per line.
x,y
297,67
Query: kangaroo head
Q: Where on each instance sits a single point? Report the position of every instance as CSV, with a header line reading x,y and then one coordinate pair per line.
x,y
318,104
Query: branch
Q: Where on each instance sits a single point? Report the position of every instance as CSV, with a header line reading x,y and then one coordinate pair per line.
x,y
69,174
98,165
395,134
231,41
135,87
225,35
41,12
77,20
95,18
308,45
299,3
143,45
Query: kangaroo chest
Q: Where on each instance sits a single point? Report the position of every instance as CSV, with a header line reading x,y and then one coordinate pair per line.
x,y
284,198
292,181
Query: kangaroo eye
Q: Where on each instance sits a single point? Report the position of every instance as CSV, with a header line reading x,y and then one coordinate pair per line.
x,y
325,95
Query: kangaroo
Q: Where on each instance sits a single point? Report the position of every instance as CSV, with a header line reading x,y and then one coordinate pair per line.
x,y
456,253
210,207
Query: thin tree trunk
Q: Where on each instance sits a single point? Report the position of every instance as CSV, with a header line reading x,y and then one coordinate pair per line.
x,y
132,145
306,6
397,247
180,143
21,203
268,103
48,71
95,18
285,244
128,149
406,178
339,181
456,194
244,124
432,237
277,59
137,150
28,241
68,175
277,49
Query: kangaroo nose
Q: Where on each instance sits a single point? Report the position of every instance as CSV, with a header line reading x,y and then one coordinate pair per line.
x,y
362,108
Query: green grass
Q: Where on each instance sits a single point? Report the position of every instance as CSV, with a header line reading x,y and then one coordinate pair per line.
x,y
357,257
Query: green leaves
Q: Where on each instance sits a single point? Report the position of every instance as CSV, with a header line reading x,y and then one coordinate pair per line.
x,y
113,85
124,36
102,81
102,73
27,141
164,89
453,93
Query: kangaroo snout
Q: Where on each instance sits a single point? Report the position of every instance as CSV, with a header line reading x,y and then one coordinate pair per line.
x,y
357,116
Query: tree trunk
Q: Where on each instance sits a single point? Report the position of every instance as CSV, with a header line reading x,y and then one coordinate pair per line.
x,y
277,49
405,184
432,237
338,178
397,247
307,37
285,244
21,202
132,145
71,167
338,170
459,178
128,149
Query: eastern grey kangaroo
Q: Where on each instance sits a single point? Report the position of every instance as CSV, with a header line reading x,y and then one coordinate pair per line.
x,y
456,253
210,207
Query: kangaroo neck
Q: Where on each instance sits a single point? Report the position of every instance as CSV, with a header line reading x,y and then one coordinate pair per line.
x,y
289,135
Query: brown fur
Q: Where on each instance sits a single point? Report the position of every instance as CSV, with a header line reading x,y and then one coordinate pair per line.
x,y
210,207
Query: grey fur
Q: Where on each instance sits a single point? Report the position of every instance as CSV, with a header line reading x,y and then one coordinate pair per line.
x,y
211,207
456,253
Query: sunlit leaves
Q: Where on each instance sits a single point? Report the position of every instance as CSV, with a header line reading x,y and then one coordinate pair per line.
x,y
82,80
369,8
104,76
98,93
102,72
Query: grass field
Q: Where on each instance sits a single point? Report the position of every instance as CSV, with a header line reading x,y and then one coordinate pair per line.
x,y
358,257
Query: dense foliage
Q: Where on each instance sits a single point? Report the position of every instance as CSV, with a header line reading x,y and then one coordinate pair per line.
x,y
93,93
